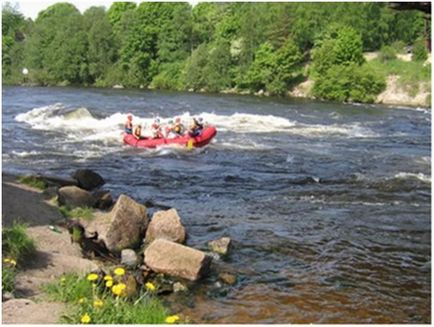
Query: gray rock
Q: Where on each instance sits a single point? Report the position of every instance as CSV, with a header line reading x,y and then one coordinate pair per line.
x,y
220,246
177,260
167,225
121,228
129,258
88,179
179,287
227,278
6,296
103,200
56,180
74,196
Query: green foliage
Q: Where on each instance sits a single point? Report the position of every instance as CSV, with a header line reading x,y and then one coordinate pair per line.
x,y
398,47
212,46
15,242
420,53
33,182
102,307
85,213
8,277
387,53
349,83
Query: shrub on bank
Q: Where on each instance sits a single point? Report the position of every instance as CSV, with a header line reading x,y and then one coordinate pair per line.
x,y
349,83
33,182
420,53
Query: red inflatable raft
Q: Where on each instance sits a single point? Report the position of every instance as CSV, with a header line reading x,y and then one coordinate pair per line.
x,y
186,140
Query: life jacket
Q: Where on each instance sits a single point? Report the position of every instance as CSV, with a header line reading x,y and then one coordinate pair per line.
x,y
137,132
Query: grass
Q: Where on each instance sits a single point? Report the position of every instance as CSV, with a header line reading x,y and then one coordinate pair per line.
x,y
95,303
411,73
16,245
15,242
33,182
85,212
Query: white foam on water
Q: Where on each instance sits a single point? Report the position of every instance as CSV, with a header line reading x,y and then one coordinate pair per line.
x,y
422,177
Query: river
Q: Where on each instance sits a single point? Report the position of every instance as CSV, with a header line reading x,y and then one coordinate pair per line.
x,y
328,205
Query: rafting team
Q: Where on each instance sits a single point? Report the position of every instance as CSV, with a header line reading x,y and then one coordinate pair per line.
x,y
172,130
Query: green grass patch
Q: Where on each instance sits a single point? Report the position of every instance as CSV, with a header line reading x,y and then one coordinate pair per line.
x,y
8,277
85,212
15,242
33,182
95,303
411,73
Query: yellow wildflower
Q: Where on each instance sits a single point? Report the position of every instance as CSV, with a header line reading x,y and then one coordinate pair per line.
x,y
108,277
13,262
92,277
109,283
62,280
150,286
119,271
118,289
7,260
85,319
98,303
172,319
82,300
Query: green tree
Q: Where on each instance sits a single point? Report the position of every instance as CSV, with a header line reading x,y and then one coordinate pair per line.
x,y
218,69
194,73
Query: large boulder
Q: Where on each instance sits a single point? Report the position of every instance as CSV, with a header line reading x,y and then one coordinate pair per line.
x,y
88,179
166,224
74,196
121,228
177,260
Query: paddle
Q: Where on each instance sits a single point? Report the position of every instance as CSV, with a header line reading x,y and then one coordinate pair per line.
x,y
190,144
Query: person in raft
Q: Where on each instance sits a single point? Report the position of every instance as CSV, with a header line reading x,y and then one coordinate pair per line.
x,y
178,128
138,132
156,129
196,128
129,124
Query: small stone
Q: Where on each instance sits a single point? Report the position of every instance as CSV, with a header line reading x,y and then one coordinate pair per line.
x,y
6,296
228,278
179,287
220,246
129,258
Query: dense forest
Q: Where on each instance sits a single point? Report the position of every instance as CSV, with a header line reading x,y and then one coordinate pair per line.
x,y
212,46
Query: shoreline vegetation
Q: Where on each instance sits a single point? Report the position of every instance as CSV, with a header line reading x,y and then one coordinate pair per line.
x,y
64,262
341,52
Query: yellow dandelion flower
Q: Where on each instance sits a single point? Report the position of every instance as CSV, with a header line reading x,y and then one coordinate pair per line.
x,y
109,283
85,319
108,277
13,262
82,300
98,303
119,271
150,286
7,260
118,289
172,319
92,277
63,279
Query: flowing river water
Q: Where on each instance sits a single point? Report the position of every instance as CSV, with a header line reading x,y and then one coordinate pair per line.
x,y
328,205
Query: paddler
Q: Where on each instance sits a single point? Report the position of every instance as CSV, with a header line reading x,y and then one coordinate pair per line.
x,y
156,129
196,127
129,124
138,132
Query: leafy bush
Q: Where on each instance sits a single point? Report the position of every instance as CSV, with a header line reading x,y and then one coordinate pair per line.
x,y
387,53
8,277
169,77
399,47
349,83
420,52
15,242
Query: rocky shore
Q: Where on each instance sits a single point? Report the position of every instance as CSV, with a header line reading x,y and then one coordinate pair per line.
x,y
119,233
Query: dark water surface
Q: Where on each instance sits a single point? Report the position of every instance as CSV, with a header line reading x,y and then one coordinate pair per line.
x,y
328,205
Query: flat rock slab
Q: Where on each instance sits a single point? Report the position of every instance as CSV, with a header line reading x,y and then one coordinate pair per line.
x,y
25,204
24,311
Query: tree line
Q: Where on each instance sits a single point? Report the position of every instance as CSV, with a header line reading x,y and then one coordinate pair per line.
x,y
211,46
